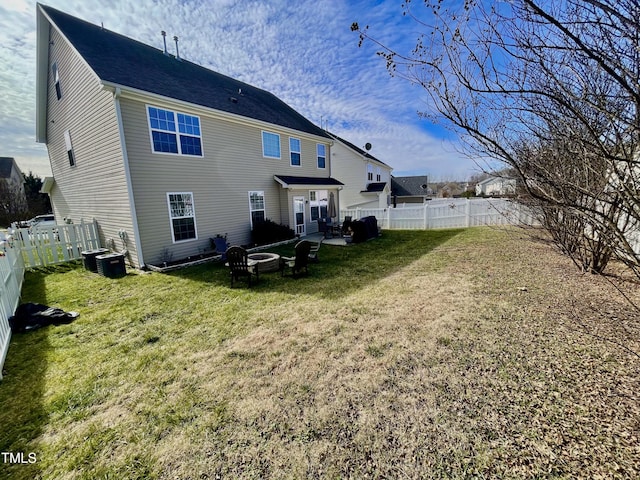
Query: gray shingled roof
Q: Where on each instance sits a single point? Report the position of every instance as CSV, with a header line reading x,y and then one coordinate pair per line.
x,y
122,61
409,186
375,187
321,181
6,165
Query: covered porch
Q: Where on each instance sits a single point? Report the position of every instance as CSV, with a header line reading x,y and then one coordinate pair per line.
x,y
305,200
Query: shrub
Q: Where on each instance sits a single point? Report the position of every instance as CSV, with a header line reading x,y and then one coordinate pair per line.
x,y
267,232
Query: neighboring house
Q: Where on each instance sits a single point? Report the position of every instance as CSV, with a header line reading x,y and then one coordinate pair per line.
x,y
413,189
164,153
14,199
367,180
496,187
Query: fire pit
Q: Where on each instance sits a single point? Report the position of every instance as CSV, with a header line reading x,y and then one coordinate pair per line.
x,y
266,262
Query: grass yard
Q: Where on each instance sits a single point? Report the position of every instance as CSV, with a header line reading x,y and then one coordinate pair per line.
x,y
443,354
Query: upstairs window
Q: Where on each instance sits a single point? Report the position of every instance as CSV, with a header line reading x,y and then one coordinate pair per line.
x,y
256,208
56,80
69,145
182,215
294,150
174,132
378,174
322,155
270,145
369,172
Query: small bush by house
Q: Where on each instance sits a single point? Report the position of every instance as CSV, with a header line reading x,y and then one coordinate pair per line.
x,y
268,231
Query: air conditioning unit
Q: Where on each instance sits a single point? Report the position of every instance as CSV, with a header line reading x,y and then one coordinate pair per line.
x,y
111,265
89,258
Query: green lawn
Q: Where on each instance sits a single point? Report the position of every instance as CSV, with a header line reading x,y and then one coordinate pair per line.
x,y
440,354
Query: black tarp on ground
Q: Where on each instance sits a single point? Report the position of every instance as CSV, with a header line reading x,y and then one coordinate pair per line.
x,y
29,316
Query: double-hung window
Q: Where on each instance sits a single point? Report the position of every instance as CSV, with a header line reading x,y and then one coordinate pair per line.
x,y
378,174
322,155
256,208
174,132
270,145
183,216
56,80
69,146
294,151
369,172
318,203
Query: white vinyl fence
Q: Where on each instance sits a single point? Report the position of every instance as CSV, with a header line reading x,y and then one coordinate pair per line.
x,y
11,278
447,213
50,245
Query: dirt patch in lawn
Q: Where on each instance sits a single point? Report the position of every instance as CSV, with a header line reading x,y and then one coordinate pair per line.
x,y
492,358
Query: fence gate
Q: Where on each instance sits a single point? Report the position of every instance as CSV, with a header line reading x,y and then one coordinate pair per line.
x,y
50,245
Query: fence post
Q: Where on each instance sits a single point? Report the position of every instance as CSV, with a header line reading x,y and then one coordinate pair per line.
x,y
425,216
468,222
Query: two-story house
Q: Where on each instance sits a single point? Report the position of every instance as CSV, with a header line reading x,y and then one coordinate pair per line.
x,y
367,180
13,198
164,153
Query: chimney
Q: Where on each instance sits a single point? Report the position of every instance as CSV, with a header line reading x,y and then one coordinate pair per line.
x,y
164,39
175,38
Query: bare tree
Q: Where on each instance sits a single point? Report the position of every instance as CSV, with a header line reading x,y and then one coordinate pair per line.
x,y
551,89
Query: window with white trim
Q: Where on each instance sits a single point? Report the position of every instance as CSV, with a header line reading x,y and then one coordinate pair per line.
x,y
174,132
69,146
318,204
183,216
321,150
256,207
369,172
295,151
378,174
270,145
56,80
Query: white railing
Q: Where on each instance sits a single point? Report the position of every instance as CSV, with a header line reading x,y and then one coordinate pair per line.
x,y
11,278
447,213
50,245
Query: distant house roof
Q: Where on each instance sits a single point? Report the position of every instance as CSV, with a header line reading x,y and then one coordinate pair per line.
x,y
357,149
7,164
288,181
409,186
120,61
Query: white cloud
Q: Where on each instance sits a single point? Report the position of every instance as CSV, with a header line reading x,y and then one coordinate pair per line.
x,y
303,52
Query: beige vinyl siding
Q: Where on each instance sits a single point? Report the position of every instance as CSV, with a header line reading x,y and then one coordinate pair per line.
x,y
232,165
96,186
351,169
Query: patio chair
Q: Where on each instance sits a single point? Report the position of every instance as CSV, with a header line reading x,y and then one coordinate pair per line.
x,y
298,263
313,252
333,228
238,262
322,226
346,224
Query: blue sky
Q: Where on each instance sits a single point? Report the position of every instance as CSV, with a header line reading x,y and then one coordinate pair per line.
x,y
304,52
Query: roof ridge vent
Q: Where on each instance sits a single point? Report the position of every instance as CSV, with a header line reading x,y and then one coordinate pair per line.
x,y
164,40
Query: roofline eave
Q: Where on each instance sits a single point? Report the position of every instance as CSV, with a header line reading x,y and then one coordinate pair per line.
x,y
144,96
